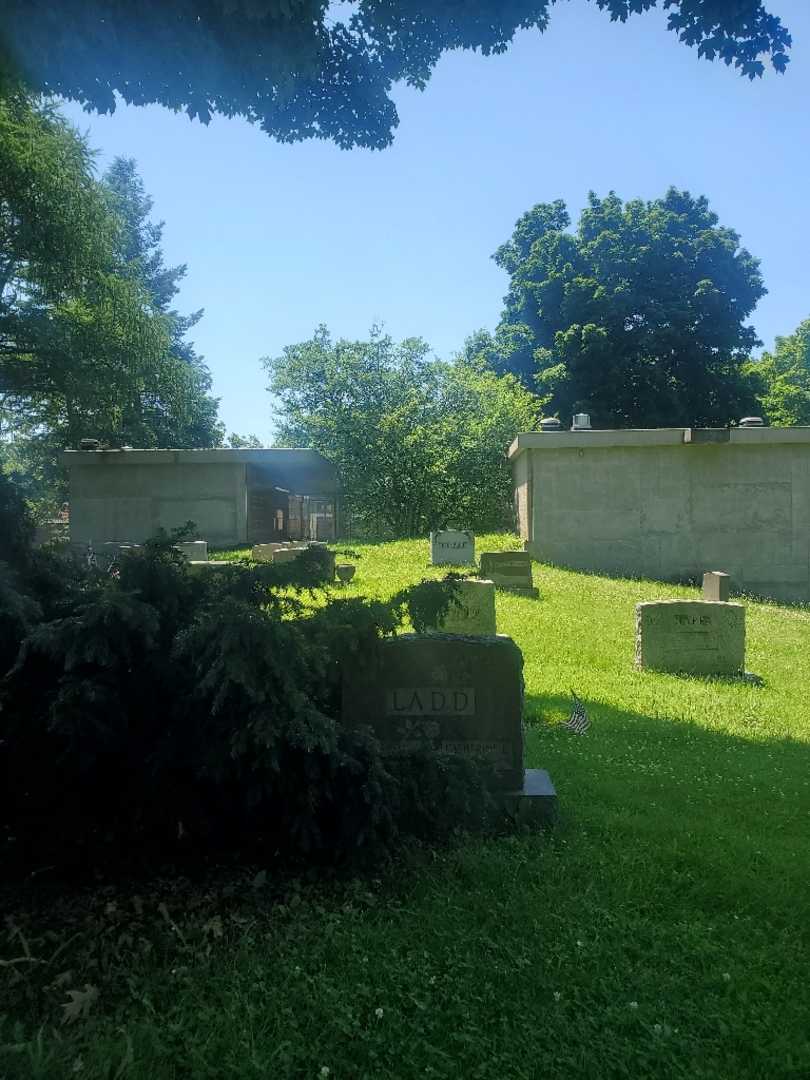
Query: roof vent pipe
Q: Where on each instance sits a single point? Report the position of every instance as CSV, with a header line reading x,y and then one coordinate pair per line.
x,y
582,422
550,423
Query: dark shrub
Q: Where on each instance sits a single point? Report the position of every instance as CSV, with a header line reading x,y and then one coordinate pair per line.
x,y
157,710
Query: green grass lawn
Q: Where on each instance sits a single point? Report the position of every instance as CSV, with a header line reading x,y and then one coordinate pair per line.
x,y
660,930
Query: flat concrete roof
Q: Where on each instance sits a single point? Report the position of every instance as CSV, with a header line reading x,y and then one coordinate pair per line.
x,y
302,471
264,456
745,436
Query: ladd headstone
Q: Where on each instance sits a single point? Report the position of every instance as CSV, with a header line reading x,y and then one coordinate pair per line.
x,y
716,585
510,570
458,695
452,547
472,609
695,637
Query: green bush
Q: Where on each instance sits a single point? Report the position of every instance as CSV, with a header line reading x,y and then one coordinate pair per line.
x,y
155,710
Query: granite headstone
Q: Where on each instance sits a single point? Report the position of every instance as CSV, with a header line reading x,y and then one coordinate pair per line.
x,y
458,695
511,570
696,637
452,547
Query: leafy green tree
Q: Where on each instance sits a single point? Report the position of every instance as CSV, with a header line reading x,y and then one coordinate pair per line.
x,y
418,443
244,442
88,342
785,375
637,318
302,68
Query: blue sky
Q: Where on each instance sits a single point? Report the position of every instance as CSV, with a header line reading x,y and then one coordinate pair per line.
x,y
281,238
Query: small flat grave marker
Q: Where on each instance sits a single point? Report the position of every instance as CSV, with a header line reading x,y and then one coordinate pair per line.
x,y
694,637
452,547
511,570
194,550
264,552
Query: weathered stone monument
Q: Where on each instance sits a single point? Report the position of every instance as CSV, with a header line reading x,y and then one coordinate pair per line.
x,y
716,585
194,550
695,637
452,547
511,570
472,609
456,695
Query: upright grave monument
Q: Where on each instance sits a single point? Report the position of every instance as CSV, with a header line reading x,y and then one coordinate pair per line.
x,y
716,585
453,694
693,637
510,570
452,547
472,609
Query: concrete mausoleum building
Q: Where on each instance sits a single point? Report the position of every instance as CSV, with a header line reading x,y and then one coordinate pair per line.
x,y
233,496
670,503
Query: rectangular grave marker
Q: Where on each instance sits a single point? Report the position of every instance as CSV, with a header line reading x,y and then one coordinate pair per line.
x,y
472,610
452,547
511,570
194,550
716,585
695,637
462,695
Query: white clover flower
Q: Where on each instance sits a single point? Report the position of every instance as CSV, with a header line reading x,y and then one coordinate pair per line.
x,y
633,1004
557,995
657,1028
378,1013
324,1072
726,977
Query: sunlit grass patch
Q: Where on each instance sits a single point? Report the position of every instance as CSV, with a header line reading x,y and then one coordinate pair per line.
x,y
660,931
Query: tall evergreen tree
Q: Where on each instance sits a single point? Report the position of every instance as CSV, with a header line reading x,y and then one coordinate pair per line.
x,y
182,412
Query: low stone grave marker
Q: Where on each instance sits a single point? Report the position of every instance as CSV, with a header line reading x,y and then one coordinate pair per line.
x,y
286,554
264,552
511,570
194,550
472,610
716,585
196,566
695,637
452,547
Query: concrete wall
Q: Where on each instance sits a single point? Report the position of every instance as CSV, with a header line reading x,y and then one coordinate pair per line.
x,y
671,503
115,499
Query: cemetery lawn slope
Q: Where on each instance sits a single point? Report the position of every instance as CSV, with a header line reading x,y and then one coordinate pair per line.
x,y
659,931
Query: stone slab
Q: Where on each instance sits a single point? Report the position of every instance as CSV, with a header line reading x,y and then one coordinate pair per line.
x,y
286,554
453,694
509,570
695,637
194,550
716,585
452,547
207,564
264,552
536,802
472,610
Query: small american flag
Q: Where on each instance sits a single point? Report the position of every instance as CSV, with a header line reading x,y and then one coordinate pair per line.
x,y
578,721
